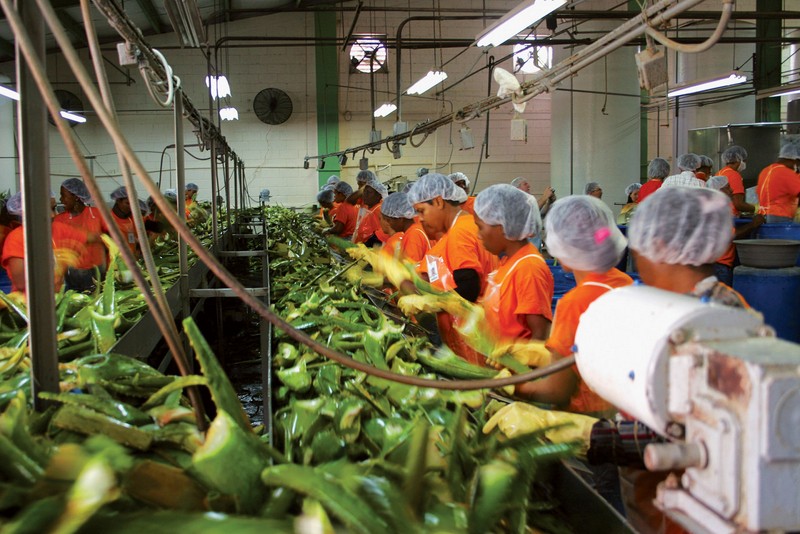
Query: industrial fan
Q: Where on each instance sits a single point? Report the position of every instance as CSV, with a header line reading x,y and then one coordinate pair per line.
x,y
272,106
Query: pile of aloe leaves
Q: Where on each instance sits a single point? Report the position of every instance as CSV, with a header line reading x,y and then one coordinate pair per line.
x,y
119,449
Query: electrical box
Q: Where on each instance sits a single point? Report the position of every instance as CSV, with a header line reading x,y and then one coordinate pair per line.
x,y
400,128
519,130
363,164
127,54
374,137
652,66
467,141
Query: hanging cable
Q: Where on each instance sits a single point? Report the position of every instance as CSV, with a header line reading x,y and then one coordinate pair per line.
x,y
727,11
155,85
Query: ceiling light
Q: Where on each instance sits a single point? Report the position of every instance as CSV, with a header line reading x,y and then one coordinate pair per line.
x,y
434,77
343,159
321,164
219,86
9,93
305,163
73,117
13,95
726,80
185,18
524,15
229,114
385,109
783,90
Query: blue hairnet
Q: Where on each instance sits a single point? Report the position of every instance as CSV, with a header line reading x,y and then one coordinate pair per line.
x,y
119,193
333,180
688,162
790,147
192,187
365,176
379,188
591,186
459,177
734,154
658,168
717,182
682,226
631,188
263,195
325,196
171,194
398,206
343,188
516,211
580,231
14,204
77,188
434,185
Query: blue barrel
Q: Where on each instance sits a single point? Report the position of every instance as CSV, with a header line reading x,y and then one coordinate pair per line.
x,y
776,294
562,280
5,282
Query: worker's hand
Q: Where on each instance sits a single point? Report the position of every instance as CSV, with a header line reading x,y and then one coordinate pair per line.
x,y
414,304
530,353
508,390
360,252
549,194
519,418
759,219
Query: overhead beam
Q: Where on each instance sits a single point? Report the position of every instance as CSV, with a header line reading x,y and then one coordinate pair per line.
x,y
75,30
151,14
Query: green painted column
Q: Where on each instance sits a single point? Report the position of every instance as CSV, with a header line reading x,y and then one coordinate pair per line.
x,y
767,64
327,74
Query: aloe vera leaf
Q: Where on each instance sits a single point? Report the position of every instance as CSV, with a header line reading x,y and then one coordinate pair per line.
x,y
160,396
495,480
164,486
15,426
110,407
416,465
95,486
103,331
169,522
89,422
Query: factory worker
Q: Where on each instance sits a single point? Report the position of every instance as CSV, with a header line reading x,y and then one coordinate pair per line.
x,y
723,267
344,214
779,184
632,192
368,227
593,189
544,201
704,170
78,214
407,239
325,201
422,171
331,182
461,180
190,194
687,164
7,223
734,160
68,246
458,261
581,234
362,178
657,170
121,213
519,292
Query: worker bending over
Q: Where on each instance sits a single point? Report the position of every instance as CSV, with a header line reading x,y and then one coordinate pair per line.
x,y
343,214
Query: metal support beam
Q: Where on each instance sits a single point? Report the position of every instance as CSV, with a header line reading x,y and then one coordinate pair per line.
x,y
34,167
183,253
767,62
151,14
75,30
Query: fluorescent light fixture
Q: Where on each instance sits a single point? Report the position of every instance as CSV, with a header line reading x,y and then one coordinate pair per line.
x,y
783,90
725,80
385,109
9,93
523,16
229,114
73,117
434,77
185,18
219,86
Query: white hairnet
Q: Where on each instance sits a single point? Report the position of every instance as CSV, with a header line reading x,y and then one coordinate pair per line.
x,y
688,162
407,187
333,180
518,181
379,188
14,204
705,161
734,154
343,188
365,176
191,187
682,226
717,182
790,147
325,196
398,206
119,193
171,194
658,168
459,177
580,232
516,211
77,188
263,195
631,188
591,186
422,171
434,185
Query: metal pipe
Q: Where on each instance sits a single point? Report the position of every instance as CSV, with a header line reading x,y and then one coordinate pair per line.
x,y
34,167
226,166
183,253
352,25
214,189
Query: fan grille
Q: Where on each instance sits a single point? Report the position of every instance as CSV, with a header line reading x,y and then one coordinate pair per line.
x,y
272,106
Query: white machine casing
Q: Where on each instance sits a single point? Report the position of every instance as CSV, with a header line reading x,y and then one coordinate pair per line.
x,y
715,382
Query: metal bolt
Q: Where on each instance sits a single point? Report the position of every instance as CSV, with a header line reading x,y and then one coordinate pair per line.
x,y
677,337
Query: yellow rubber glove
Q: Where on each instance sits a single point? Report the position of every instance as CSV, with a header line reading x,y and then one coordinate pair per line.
x,y
530,353
361,252
519,418
414,304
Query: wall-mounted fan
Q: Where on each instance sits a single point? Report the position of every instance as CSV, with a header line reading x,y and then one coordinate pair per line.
x,y
68,101
272,106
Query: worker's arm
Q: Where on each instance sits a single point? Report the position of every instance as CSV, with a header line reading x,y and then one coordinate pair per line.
x,y
336,229
354,197
744,230
539,325
740,204
554,389
16,271
545,198
468,284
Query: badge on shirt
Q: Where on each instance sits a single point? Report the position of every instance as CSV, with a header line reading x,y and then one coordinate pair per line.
x,y
131,238
433,268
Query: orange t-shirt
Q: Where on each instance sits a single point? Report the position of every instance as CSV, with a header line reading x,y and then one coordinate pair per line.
x,y
648,188
415,243
730,255
562,334
778,190
90,222
370,224
128,230
469,205
522,285
393,246
735,182
346,214
64,237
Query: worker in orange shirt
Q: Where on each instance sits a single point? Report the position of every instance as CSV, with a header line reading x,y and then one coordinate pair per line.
x,y
368,227
657,170
397,216
121,213
734,159
458,261
415,242
461,180
519,292
190,194
779,184
92,265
